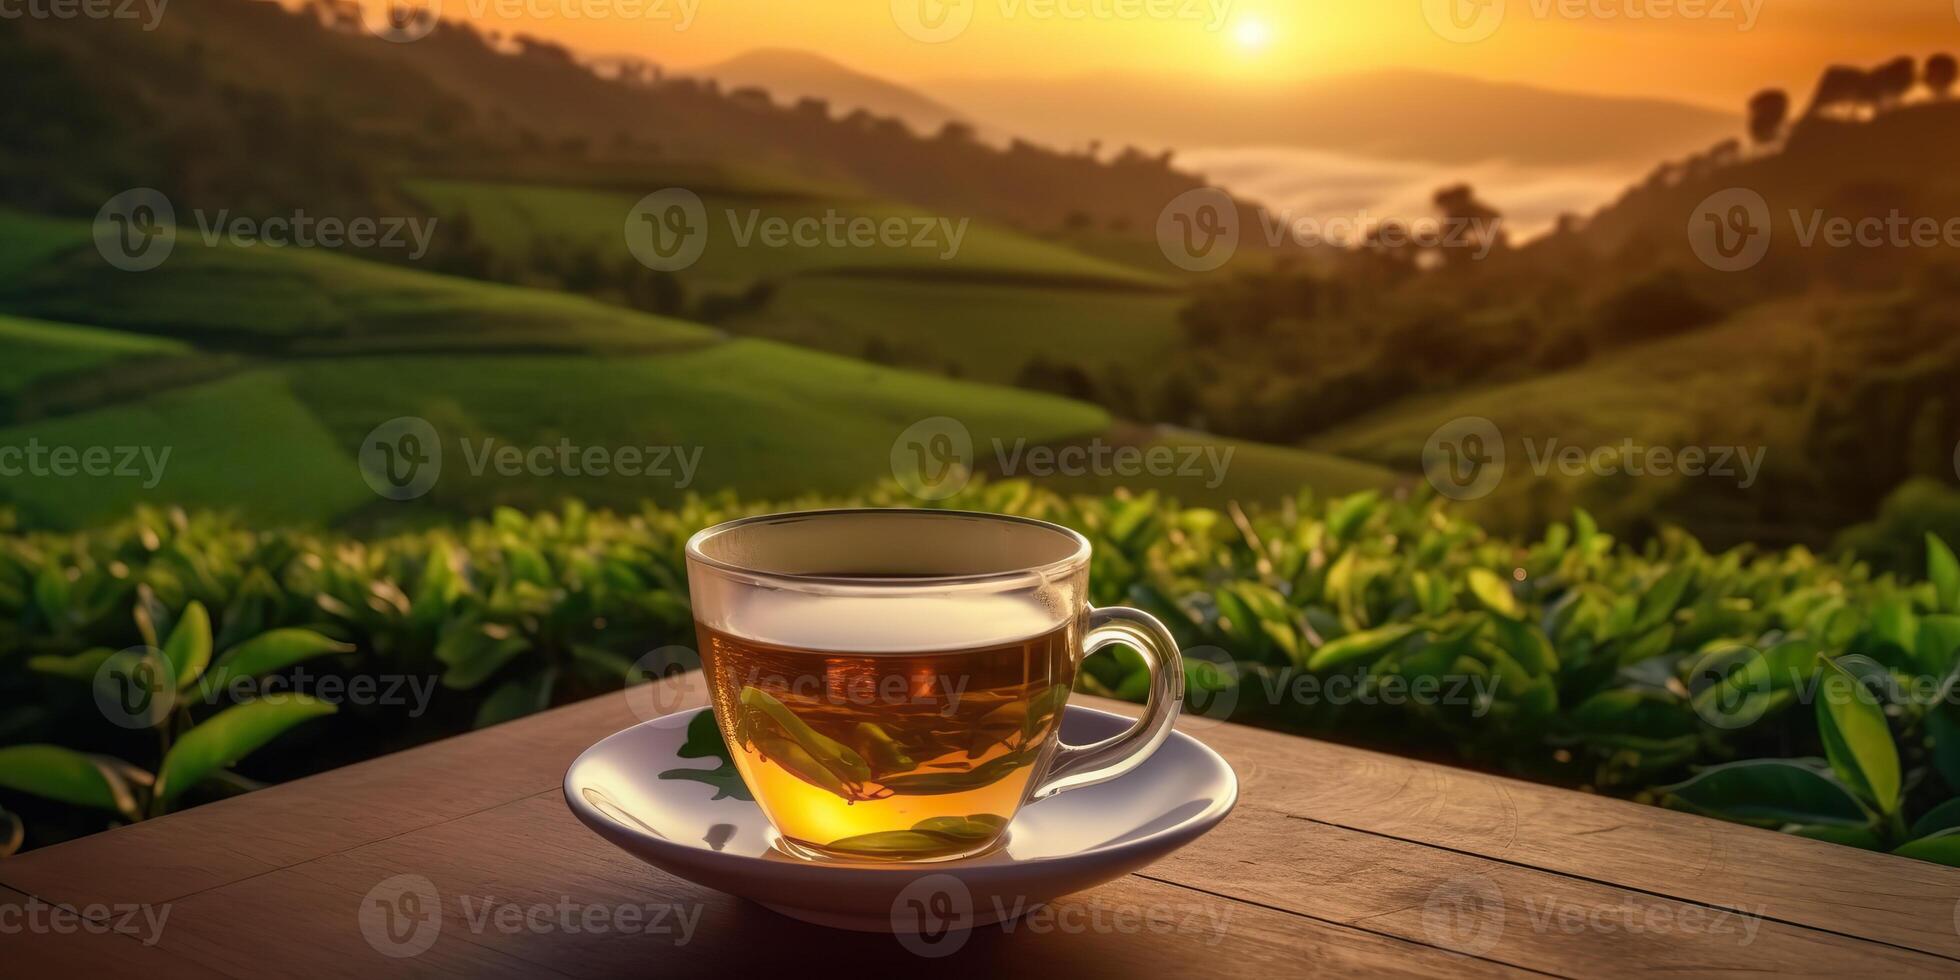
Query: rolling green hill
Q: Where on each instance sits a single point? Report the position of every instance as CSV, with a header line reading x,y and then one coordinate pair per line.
x,y
268,367
980,331
515,220
299,300
1757,380
762,416
280,443
1206,470
38,350
243,443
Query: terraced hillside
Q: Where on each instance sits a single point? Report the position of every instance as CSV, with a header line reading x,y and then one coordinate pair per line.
x,y
253,376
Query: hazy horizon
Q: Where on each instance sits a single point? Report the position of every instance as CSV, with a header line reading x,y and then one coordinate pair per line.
x,y
1604,50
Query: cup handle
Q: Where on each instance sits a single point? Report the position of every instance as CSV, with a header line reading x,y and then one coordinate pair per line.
x,y
1075,766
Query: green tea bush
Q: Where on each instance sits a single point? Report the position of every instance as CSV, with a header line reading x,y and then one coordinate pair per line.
x,y
1773,687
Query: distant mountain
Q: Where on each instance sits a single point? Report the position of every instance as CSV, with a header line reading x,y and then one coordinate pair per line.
x,y
789,75
1393,114
259,108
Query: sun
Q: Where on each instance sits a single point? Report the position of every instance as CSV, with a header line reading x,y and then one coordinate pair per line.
x,y
1252,34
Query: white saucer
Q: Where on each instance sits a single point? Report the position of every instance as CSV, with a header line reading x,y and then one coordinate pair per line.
x,y
1063,844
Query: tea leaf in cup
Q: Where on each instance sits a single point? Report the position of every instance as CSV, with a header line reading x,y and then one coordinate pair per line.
x,y
792,758
832,754
883,749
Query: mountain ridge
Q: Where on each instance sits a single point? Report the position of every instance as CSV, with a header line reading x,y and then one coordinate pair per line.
x,y
1405,114
792,73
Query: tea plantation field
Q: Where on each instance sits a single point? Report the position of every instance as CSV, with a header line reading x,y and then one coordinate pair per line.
x,y
986,331
516,219
1770,687
263,370
308,301
37,349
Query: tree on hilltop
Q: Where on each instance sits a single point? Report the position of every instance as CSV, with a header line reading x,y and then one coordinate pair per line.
x,y
1470,227
1940,75
1892,80
1843,92
1768,111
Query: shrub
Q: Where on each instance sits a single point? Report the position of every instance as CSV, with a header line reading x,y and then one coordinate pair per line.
x,y
1573,658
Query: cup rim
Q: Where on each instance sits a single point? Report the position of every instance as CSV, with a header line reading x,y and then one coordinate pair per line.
x,y
1046,571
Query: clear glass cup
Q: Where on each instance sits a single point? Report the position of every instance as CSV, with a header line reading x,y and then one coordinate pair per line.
x,y
891,683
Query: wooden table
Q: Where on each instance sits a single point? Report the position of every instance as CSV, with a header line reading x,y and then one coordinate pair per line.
x,y
1336,860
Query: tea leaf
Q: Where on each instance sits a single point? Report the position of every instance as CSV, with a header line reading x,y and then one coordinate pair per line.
x,y
1857,739
1763,681
231,735
1940,848
900,843
274,650
51,597
937,783
1660,600
1494,592
1527,644
1893,622
973,826
832,755
65,775
79,667
1356,647
1770,792
1939,638
189,646
792,758
1863,837
1943,570
1946,816
1943,725
879,744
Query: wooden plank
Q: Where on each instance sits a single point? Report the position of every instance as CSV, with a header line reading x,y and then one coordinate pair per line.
x,y
1335,841
533,857
41,942
1906,903
1516,915
183,853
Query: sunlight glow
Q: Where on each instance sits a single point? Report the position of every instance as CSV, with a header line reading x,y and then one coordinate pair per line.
x,y
1252,34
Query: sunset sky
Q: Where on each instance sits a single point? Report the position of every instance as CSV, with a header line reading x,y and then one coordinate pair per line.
x,y
1718,57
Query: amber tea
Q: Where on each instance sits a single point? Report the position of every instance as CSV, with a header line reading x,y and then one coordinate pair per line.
x,y
891,682
899,754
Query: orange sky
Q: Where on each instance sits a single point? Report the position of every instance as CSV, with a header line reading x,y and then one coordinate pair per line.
x,y
1710,51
